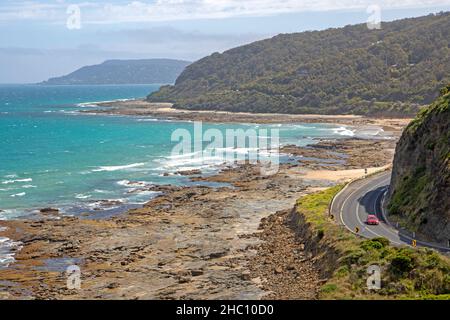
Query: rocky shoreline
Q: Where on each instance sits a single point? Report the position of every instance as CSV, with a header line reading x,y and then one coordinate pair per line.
x,y
167,112
193,242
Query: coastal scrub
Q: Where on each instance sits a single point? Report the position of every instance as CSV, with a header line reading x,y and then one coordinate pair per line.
x,y
406,273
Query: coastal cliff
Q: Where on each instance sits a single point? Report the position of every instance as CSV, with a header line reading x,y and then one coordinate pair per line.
x,y
420,188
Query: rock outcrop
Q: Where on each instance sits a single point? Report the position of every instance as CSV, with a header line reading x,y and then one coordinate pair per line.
x,y
420,188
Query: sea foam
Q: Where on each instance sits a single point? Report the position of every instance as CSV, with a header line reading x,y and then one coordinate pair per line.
x,y
17,180
116,168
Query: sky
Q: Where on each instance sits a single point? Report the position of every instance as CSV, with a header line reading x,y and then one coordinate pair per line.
x,y
43,39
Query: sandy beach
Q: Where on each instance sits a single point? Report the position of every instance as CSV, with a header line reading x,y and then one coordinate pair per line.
x,y
196,242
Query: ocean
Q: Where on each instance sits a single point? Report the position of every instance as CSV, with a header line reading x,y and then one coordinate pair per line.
x,y
51,155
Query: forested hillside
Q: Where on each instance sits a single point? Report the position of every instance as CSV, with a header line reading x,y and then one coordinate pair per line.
x,y
124,72
392,71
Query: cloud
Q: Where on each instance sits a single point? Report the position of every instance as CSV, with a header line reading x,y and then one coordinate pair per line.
x,y
167,34
22,64
109,12
173,43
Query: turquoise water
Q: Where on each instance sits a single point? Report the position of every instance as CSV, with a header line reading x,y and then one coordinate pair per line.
x,y
53,156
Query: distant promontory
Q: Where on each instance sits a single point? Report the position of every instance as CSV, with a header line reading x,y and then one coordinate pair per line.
x,y
124,72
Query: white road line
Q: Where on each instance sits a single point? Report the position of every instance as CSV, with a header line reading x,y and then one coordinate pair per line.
x,y
357,215
382,225
374,207
341,213
392,231
345,201
385,227
359,219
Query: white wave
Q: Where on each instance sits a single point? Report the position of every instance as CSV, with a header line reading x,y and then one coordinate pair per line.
x,y
343,131
141,192
136,184
292,126
116,168
71,112
182,156
101,191
7,251
6,259
123,182
28,186
87,105
96,103
18,194
148,120
213,157
11,176
3,240
372,131
82,196
17,180
108,203
195,162
9,214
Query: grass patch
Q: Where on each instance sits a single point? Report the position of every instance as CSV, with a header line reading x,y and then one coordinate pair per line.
x,y
406,273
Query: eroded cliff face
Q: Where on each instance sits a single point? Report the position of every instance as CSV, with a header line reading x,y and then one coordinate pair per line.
x,y
420,189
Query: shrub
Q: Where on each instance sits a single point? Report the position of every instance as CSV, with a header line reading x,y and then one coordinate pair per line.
x,y
320,234
353,257
376,243
401,263
330,287
385,242
342,271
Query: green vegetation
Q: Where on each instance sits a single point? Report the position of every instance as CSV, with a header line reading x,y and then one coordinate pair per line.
x,y
406,273
351,70
439,106
421,175
124,72
409,194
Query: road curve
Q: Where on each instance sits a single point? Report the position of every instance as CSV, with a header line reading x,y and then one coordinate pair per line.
x,y
363,197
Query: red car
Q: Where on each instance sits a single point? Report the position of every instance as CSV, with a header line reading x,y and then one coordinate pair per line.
x,y
372,220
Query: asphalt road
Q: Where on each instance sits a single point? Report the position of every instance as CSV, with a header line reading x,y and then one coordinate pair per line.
x,y
363,197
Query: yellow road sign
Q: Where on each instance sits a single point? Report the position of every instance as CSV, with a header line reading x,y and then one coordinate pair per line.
x,y
414,243
357,230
